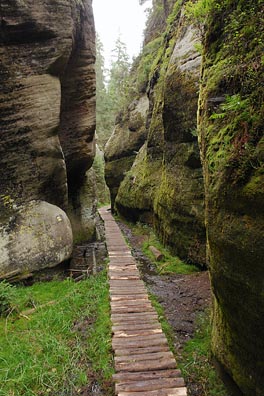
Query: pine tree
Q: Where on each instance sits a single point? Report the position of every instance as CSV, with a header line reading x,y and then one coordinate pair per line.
x,y
111,97
104,124
119,74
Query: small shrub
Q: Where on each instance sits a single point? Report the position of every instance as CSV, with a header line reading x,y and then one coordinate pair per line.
x,y
198,11
6,298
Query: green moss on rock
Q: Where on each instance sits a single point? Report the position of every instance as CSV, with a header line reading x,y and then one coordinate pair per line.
x,y
115,173
138,189
166,178
231,140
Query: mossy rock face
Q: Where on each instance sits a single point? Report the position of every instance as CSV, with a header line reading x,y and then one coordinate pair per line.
x,y
231,139
115,173
129,135
139,186
181,87
179,207
82,209
166,178
179,199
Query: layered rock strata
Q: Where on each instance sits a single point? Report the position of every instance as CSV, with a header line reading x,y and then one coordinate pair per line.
x,y
47,105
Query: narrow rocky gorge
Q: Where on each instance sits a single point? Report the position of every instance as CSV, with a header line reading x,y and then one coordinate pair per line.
x,y
185,156
199,182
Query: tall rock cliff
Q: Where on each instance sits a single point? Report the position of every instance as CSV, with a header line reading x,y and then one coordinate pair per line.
x,y
47,108
231,123
165,183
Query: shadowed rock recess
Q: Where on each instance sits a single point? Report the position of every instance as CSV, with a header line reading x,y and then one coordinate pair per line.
x,y
223,80
47,108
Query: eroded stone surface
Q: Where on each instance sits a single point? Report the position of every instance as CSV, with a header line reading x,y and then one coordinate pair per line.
x,y
232,154
127,138
46,75
165,183
38,236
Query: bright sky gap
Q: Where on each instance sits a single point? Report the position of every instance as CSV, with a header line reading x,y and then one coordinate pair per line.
x,y
124,17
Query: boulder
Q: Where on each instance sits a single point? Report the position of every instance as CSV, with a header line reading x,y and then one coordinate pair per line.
x,y
37,236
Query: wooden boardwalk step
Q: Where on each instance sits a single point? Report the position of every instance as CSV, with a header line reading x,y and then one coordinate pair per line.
x,y
146,375
143,350
149,385
159,364
143,362
146,356
160,392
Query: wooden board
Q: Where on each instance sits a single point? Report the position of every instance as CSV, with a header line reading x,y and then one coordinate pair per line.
x,y
144,364
146,356
160,392
145,375
149,385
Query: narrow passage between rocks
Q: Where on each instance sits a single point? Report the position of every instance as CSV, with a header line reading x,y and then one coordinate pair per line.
x,y
143,362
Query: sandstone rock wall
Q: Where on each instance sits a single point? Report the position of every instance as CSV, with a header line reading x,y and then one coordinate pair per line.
x,y
231,115
46,97
165,184
127,138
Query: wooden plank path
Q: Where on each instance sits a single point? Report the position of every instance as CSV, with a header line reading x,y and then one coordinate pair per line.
x,y
144,364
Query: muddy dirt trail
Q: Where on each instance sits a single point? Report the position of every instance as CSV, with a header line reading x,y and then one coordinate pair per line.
x,y
182,296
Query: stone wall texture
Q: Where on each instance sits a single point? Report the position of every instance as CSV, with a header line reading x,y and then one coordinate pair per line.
x,y
185,185
165,184
47,110
231,114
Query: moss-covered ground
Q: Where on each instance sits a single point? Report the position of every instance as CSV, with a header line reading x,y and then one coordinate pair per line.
x,y
170,264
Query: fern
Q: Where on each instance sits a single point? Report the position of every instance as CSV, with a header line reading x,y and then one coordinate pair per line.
x,y
232,104
217,116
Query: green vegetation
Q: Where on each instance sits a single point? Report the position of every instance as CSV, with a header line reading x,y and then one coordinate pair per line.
x,y
170,264
117,87
198,12
6,298
149,53
232,104
233,66
61,348
104,122
111,88
195,361
166,327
